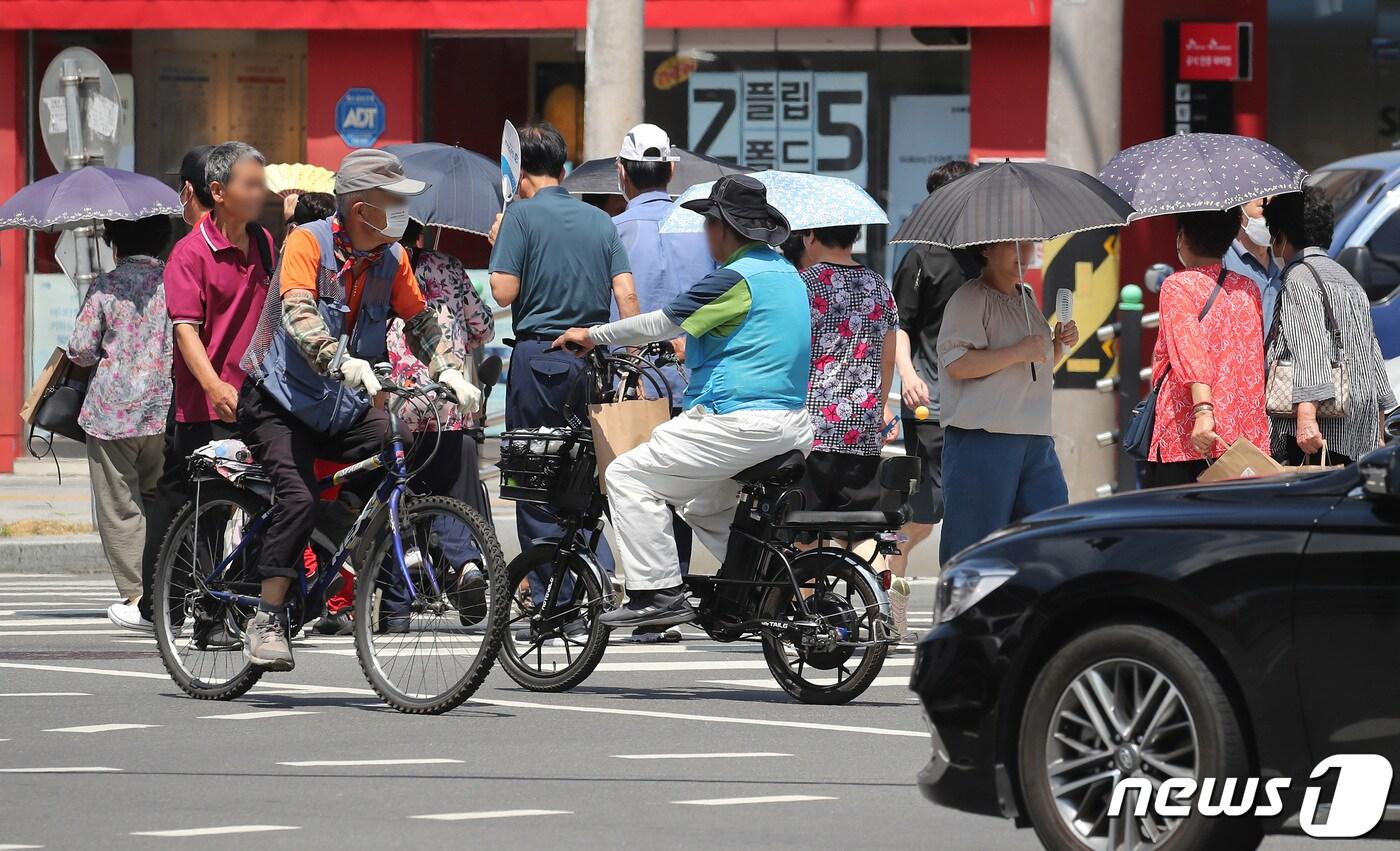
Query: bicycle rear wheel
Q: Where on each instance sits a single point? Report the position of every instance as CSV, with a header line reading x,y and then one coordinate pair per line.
x,y
558,652
199,636
845,602
426,652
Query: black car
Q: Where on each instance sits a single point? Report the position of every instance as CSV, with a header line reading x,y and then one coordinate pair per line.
x,y
1240,629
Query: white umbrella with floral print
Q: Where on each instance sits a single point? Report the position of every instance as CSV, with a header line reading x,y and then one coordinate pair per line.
x,y
807,200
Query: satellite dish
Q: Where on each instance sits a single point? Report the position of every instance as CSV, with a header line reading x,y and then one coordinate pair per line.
x,y
78,84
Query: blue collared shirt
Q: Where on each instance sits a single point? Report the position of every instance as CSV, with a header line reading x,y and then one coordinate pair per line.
x,y
1240,261
664,265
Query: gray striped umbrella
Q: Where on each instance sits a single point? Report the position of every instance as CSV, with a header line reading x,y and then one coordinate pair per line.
x,y
1011,202
1194,172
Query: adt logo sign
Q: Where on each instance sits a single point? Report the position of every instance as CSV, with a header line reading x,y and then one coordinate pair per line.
x,y
359,118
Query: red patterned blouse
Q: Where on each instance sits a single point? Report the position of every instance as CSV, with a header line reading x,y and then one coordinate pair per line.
x,y
1225,351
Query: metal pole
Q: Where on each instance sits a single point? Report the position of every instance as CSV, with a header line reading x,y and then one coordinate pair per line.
x,y
1082,131
1129,383
613,73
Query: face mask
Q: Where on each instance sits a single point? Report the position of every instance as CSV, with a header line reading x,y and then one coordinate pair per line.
x,y
395,220
1257,230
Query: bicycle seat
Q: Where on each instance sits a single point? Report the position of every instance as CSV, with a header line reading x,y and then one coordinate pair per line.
x,y
779,470
844,521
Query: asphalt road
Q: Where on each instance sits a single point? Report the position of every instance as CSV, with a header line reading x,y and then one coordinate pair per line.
x,y
676,747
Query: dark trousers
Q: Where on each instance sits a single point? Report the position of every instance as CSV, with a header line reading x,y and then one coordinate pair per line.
x,y
924,440
454,471
1165,474
172,492
287,449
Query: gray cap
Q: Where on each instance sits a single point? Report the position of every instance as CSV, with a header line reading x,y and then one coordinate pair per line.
x,y
370,168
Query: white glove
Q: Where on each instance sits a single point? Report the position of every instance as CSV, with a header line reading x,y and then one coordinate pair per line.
x,y
468,396
359,375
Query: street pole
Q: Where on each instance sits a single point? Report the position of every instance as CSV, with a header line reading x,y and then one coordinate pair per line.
x,y
1083,108
613,73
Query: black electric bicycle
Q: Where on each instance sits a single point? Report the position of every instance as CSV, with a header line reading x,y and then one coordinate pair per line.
x,y
822,615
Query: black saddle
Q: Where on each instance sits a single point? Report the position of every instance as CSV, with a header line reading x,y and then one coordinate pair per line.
x,y
779,470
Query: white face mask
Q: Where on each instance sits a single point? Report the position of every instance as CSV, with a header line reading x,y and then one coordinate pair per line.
x,y
1257,230
395,220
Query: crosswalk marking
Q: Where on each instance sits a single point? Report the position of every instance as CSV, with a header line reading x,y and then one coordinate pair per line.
x,y
100,728
215,831
44,694
257,716
878,682
764,799
61,769
339,763
490,814
753,755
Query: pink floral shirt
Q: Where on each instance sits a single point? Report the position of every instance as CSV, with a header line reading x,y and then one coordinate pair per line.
x,y
466,323
852,310
123,330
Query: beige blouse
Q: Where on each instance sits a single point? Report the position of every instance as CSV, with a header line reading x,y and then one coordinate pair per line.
x,y
979,316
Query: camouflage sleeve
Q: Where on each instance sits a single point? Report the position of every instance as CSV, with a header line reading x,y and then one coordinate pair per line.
x,y
303,323
427,342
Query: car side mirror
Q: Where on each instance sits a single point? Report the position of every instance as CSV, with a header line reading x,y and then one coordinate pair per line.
x,y
1380,474
1358,261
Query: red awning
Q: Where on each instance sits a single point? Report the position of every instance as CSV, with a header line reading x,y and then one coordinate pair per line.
x,y
510,14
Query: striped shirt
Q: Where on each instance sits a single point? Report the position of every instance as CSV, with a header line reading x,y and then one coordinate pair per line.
x,y
1300,332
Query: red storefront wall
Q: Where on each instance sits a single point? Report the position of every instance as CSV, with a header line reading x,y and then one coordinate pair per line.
x,y
12,248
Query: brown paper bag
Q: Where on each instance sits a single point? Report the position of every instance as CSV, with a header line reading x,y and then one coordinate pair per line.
x,y
50,375
1313,468
1242,460
620,426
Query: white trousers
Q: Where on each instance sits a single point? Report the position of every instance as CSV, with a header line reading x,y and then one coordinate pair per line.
x,y
687,464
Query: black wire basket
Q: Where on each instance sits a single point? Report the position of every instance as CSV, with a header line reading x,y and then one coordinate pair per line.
x,y
551,466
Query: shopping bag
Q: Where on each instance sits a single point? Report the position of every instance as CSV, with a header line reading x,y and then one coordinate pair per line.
x,y
1243,460
1313,468
50,375
620,426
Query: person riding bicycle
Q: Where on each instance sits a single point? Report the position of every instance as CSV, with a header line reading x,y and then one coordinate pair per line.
x,y
339,279
748,346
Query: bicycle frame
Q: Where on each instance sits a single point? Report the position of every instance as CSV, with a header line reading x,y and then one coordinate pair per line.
x,y
390,492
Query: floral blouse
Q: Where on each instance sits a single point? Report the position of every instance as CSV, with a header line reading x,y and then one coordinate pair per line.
x,y
1224,350
466,323
123,330
852,310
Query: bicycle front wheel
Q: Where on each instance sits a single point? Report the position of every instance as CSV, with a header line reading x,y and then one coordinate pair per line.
x,y
428,629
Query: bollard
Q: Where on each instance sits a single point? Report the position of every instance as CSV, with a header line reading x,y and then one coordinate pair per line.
x,y
1129,391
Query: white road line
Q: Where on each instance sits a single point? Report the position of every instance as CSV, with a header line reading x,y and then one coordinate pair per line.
x,y
215,831
44,694
83,595
336,763
255,716
766,799
521,704
492,814
753,755
716,665
884,682
60,769
101,728
20,633
17,847
26,622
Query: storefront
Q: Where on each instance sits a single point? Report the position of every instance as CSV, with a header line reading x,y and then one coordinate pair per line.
x,y
878,91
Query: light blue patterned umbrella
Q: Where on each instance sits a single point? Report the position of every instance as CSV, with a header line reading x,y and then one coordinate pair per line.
x,y
808,201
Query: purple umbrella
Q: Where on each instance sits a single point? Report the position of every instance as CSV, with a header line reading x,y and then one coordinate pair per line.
x,y
89,193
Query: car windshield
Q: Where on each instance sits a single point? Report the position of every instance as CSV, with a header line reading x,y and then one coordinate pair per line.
x,y
1343,186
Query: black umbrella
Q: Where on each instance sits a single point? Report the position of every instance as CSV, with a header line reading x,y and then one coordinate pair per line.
x,y
1192,172
599,177
1010,202
464,187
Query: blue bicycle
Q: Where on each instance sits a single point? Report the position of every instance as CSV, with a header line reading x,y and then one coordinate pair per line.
x,y
431,599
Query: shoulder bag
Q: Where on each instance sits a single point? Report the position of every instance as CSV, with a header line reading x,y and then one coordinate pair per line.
x,y
1137,437
1278,389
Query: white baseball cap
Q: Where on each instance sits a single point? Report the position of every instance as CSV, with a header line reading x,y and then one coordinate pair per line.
x,y
647,143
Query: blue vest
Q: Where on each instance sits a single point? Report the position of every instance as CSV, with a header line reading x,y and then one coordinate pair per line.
x,y
327,405
765,363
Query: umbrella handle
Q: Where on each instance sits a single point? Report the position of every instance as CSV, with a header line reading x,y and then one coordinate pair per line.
x,y
1025,308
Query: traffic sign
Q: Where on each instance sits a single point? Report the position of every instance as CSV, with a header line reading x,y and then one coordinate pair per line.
x,y
359,118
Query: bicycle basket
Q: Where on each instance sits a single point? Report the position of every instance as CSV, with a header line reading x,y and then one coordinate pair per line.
x,y
548,465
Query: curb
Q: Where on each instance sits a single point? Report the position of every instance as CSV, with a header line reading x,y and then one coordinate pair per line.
x,y
57,554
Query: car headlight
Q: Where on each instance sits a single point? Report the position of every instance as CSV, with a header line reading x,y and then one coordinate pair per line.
x,y
962,587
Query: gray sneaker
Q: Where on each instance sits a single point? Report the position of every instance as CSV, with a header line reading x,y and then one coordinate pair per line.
x,y
266,643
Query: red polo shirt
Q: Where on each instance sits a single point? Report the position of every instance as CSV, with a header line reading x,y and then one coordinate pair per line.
x,y
212,284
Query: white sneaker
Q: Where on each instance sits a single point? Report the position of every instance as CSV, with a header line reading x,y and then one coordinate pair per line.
x,y
128,616
899,605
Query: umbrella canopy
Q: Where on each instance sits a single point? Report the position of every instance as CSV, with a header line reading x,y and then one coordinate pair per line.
x,y
87,194
287,178
599,177
1009,202
464,191
807,200
1192,172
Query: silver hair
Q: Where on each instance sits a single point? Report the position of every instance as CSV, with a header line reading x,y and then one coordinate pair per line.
x,y
343,203
219,166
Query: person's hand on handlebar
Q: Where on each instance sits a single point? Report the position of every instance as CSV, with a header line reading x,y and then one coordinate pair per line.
x,y
576,340
468,396
359,375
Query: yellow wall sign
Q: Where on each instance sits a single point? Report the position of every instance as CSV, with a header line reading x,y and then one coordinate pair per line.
x,y
1086,264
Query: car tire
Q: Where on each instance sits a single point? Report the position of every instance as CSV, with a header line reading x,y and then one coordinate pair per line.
x,y
1124,661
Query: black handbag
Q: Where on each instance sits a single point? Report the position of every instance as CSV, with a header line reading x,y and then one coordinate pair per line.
x,y
58,409
1137,437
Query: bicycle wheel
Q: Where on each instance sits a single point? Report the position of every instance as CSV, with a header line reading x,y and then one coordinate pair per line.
x,y
201,637
558,652
427,652
842,666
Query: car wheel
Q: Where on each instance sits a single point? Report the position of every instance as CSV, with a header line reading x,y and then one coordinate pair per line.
x,y
1126,700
